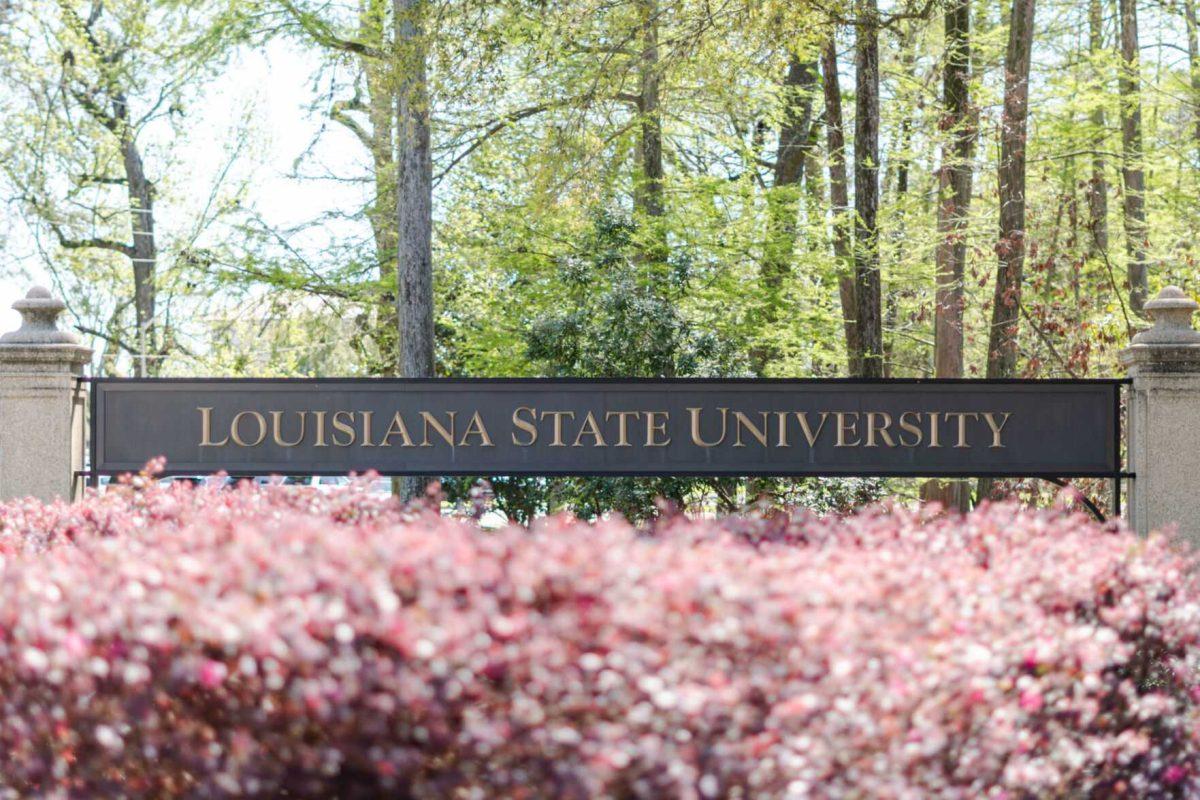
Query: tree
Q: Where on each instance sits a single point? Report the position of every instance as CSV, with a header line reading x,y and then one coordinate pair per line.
x,y
1098,185
414,203
839,201
1010,247
94,80
414,194
954,186
955,192
867,282
1132,173
1193,47
791,155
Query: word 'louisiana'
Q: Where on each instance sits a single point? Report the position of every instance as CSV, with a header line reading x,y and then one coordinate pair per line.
x,y
528,426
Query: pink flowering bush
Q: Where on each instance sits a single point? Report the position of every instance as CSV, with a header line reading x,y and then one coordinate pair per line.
x,y
263,642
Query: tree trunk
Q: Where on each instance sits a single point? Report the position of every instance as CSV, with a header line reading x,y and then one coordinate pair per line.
x,y
839,200
648,204
414,201
381,113
955,193
648,195
1189,11
790,160
1098,186
1002,339
1132,174
1010,247
783,201
953,207
145,249
867,283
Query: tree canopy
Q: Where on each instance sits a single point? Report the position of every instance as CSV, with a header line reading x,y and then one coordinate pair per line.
x,y
950,188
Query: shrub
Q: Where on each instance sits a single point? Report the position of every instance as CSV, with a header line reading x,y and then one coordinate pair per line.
x,y
205,643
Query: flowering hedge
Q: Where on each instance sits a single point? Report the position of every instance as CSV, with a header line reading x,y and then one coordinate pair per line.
x,y
206,643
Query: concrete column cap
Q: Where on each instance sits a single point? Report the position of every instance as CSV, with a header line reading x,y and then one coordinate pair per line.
x,y
1171,312
39,320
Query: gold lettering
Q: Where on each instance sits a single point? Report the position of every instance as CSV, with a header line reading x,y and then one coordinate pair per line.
x,y
909,427
396,428
343,427
590,428
781,420
430,420
962,425
557,416
934,432
476,427
320,415
235,430
882,430
206,429
810,435
623,418
990,419
277,425
654,428
843,428
740,421
697,439
368,418
525,425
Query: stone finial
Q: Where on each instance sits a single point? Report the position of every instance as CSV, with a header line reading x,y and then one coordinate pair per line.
x,y
1172,313
39,320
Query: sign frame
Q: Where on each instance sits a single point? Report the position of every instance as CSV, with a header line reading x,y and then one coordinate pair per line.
x,y
1117,472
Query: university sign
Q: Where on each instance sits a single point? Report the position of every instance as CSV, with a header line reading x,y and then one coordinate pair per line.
x,y
59,429
609,427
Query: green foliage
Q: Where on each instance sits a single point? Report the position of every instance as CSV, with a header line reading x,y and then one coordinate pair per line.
x,y
547,259
619,316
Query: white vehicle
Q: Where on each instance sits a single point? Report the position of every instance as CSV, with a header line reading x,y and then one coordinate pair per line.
x,y
322,483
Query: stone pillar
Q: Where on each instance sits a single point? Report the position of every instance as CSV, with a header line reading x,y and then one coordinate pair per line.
x,y
1164,418
43,406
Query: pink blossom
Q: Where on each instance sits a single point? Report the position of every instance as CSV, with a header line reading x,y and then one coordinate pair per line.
x,y
212,674
1031,701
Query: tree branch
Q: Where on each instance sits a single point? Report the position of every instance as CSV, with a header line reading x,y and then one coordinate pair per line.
x,y
95,242
108,338
338,114
323,34
495,126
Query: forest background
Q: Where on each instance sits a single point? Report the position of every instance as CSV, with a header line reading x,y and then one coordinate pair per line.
x,y
936,188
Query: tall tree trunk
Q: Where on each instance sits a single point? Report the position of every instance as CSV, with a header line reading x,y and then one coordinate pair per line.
x,y
1010,247
381,141
1193,37
648,192
954,190
867,283
1002,339
145,249
783,201
1132,174
1098,186
414,203
955,194
839,200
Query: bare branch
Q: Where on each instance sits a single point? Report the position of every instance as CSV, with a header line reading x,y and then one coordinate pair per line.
x,y
324,35
495,126
94,243
338,114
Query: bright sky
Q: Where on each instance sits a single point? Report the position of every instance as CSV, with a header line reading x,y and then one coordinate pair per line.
x,y
272,87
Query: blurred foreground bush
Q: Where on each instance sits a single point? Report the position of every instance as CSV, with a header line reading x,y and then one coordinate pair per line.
x,y
204,643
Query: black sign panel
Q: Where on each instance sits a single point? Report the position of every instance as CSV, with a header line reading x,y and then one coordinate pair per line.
x,y
609,427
